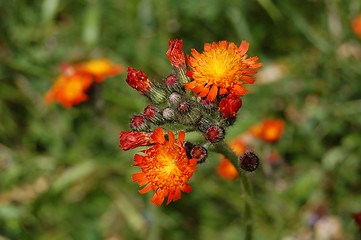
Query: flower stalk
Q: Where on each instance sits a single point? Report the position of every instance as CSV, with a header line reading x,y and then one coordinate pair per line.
x,y
247,193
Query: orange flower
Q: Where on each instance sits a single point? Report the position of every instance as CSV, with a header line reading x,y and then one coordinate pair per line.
x,y
69,90
101,68
70,87
165,167
221,68
356,26
226,169
269,130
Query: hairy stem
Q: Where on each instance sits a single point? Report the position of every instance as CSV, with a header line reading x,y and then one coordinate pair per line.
x,y
222,148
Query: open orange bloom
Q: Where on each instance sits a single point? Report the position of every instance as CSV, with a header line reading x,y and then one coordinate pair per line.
x,y
165,168
69,89
356,26
101,68
225,168
221,68
269,130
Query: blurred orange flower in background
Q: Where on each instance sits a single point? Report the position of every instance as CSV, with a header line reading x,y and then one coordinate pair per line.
x,y
356,26
269,130
70,87
225,168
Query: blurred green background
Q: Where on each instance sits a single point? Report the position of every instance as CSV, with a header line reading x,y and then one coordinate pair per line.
x,y
62,175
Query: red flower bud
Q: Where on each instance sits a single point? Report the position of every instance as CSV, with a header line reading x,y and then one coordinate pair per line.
x,y
175,54
199,153
130,140
230,105
214,134
153,114
249,162
139,123
138,80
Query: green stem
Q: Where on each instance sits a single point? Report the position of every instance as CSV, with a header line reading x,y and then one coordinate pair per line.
x,y
222,148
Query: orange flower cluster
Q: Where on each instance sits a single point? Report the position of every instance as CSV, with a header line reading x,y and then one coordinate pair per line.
x,y
70,87
269,130
217,76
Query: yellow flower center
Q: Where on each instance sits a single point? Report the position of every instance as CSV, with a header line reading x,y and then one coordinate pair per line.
x,y
222,66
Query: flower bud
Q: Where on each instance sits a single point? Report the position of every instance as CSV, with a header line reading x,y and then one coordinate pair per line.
x,y
174,99
173,84
188,113
153,114
249,161
175,54
138,123
230,105
130,140
168,114
199,153
138,80
203,124
214,134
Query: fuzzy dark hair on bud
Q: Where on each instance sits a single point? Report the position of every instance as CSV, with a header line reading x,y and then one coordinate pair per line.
x,y
200,153
154,115
214,134
138,123
249,162
168,114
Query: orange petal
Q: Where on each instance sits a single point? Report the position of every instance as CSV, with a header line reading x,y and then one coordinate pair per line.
x,y
158,135
181,137
248,79
223,91
145,189
171,137
244,47
158,197
239,90
190,85
213,93
198,89
204,92
139,177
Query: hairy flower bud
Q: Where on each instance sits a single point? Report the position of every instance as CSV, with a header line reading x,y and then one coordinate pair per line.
x,y
138,123
175,54
138,80
203,124
188,112
153,114
168,114
173,84
130,140
230,105
174,99
214,134
249,161
199,153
